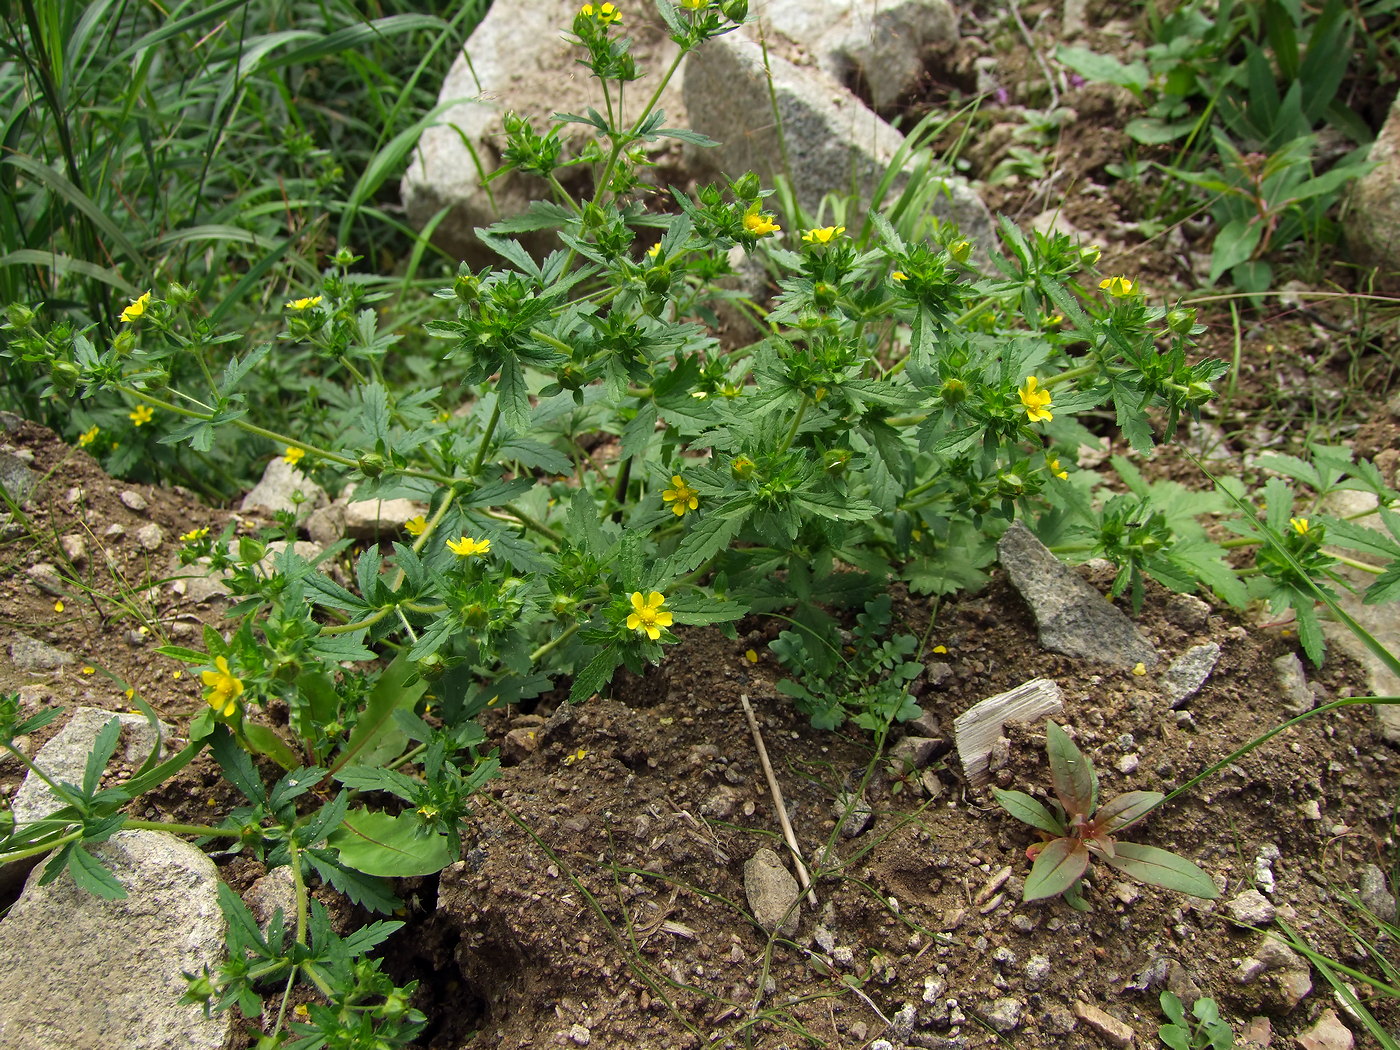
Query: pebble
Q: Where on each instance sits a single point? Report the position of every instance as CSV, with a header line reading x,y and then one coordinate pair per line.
x,y
1005,1014
1128,764
771,891
1310,810
1375,895
580,1036
1293,684
853,812
1251,908
150,536
1004,957
1258,1034
934,987
1328,1034
1114,1031
45,577
1037,970
74,547
1188,672
30,654
902,1023
133,500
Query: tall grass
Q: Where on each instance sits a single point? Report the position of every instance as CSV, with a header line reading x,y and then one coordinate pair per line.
x,y
229,146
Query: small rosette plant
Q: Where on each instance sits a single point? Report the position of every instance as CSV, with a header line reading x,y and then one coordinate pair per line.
x,y
1074,829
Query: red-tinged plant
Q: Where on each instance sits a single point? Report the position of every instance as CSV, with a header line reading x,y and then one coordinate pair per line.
x,y
1078,828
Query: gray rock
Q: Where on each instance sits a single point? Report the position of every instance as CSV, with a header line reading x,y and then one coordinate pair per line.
x,y
369,519
1187,611
276,889
1005,1014
16,478
1072,618
280,481
31,654
771,891
1037,970
1328,1034
150,536
1293,684
1257,1034
1371,222
882,43
65,757
913,752
133,500
517,59
580,1035
81,973
1182,985
45,577
1375,894
74,547
1251,908
854,813
830,140
903,1021
1188,672
1113,1031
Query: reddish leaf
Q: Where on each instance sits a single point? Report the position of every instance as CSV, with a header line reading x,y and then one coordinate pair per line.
x,y
1071,773
1125,809
1060,865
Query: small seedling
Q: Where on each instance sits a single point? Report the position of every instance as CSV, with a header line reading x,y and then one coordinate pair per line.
x,y
1207,1032
1079,828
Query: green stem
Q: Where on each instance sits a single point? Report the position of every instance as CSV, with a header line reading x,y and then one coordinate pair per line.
x,y
554,643
521,518
34,851
486,437
796,422
621,142
202,830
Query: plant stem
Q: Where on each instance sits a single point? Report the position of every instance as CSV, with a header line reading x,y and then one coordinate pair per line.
x,y
486,437
796,422
558,640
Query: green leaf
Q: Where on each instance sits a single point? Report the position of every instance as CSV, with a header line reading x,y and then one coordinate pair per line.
x,y
377,738
92,875
710,534
390,847
1029,811
1058,867
1071,773
1127,808
1234,244
266,742
513,394
1104,68
102,748
638,432
595,675
1157,867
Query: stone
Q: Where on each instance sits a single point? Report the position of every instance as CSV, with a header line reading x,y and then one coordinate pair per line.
x,y
81,973
1004,1015
150,536
326,524
1188,672
518,59
369,519
1251,908
854,813
1375,895
1293,684
1328,1034
881,43
276,889
830,141
46,578
1257,1034
133,500
1113,1031
1037,970
16,479
1181,984
31,654
1187,611
280,482
579,1035
74,547
977,730
1071,617
771,891
1371,220
913,752
64,758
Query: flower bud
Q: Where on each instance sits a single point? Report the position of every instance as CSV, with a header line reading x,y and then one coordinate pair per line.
x,y
834,461
371,464
19,315
953,391
960,250
1181,320
734,10
466,286
824,295
742,468
125,341
746,186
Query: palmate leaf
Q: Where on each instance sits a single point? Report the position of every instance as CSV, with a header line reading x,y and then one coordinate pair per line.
x,y
1157,867
1058,867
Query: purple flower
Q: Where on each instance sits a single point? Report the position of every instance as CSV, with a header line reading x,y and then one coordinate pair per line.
x,y
1075,80
1001,96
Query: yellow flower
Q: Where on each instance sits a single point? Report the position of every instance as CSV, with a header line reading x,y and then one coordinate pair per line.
x,y
1037,401
293,455
1119,287
607,14
682,497
58,605
1052,464
648,616
140,414
654,250
941,650
760,224
137,308
823,235
695,5
1300,525
303,304
899,275
960,250
416,526
576,756
89,670
87,437
466,547
224,688
1090,255
1139,668
193,535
